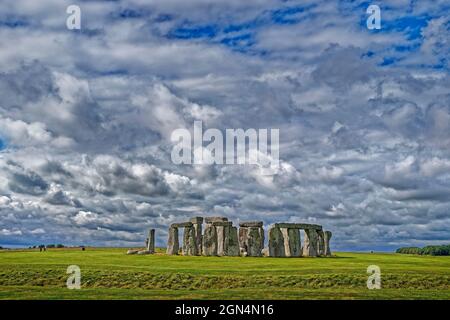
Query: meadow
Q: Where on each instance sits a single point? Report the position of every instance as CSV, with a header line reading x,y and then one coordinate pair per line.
x,y
108,273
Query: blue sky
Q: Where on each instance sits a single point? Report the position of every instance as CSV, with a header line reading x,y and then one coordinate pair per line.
x,y
364,118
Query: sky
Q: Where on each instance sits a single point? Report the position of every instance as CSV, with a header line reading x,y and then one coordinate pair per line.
x,y
86,118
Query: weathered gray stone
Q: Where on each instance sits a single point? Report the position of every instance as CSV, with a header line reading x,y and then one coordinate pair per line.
x,y
326,237
222,223
249,224
255,241
310,243
198,236
320,243
173,244
215,219
196,220
189,242
181,225
131,251
151,241
276,242
292,242
220,230
142,252
299,226
226,239
223,230
233,242
210,241
243,241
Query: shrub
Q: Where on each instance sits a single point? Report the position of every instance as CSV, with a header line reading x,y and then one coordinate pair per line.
x,y
443,250
436,250
409,250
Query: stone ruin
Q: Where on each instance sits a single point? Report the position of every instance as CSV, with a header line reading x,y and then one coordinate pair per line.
x,y
284,240
149,244
221,238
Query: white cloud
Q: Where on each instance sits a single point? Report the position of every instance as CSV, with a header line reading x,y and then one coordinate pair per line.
x,y
85,118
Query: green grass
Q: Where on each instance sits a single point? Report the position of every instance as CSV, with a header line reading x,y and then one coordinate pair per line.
x,y
111,274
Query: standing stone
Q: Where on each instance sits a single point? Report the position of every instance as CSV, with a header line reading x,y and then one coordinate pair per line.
x,y
173,245
223,236
320,243
292,245
276,243
262,238
189,242
220,230
151,241
251,238
210,241
233,242
243,241
226,240
310,243
255,241
197,222
327,236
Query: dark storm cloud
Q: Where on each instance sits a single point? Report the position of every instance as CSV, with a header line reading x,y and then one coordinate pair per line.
x,y
27,183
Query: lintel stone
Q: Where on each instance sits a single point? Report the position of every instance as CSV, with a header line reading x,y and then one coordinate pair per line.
x,y
196,220
222,223
251,224
215,219
181,225
298,226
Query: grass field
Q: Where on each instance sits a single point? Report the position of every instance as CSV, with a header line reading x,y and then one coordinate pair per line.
x,y
111,274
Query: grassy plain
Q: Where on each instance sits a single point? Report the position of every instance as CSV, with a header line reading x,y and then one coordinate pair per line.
x,y
108,273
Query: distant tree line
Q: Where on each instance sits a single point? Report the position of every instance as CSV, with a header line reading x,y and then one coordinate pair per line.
x,y
48,246
443,250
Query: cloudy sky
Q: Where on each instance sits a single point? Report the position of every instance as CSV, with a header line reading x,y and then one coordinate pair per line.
x,y
86,118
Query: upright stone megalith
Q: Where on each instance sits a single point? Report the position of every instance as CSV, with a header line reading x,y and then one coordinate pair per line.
x,y
292,245
189,242
243,243
251,238
151,241
173,244
326,237
276,242
320,243
255,241
223,236
233,244
210,241
310,243
197,222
